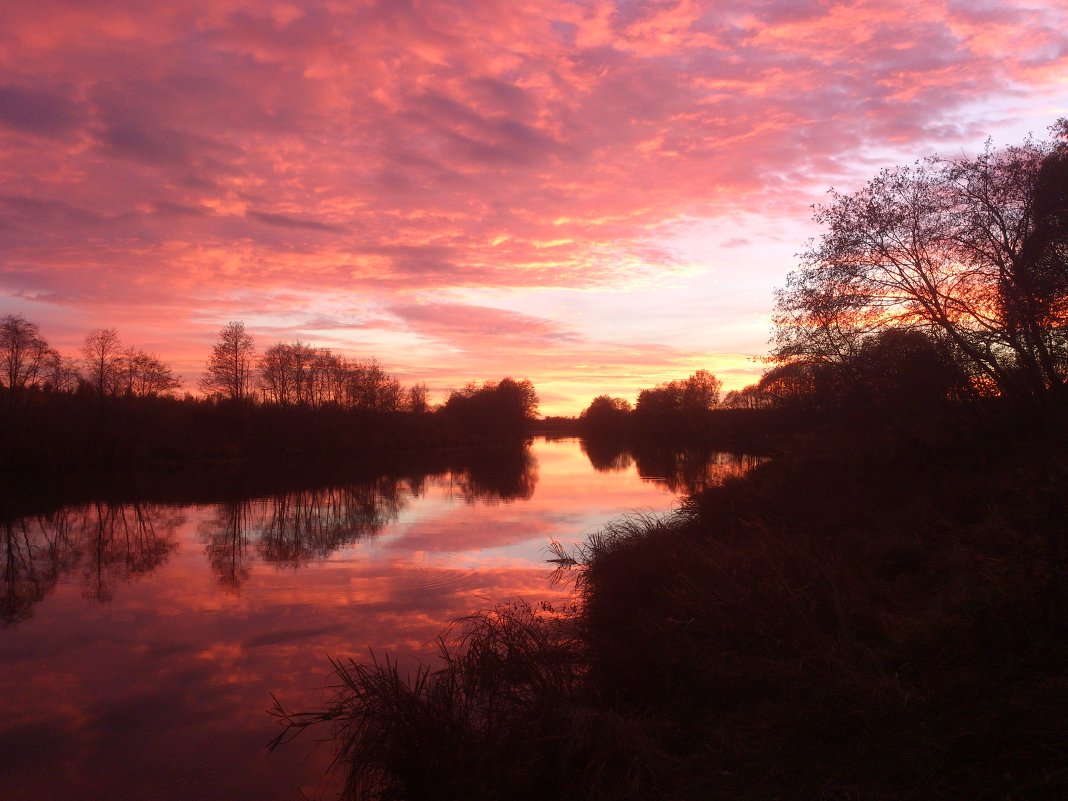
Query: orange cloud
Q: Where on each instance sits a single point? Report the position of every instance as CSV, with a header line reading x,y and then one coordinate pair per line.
x,y
208,160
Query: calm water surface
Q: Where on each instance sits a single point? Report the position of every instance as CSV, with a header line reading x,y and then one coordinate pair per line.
x,y
141,641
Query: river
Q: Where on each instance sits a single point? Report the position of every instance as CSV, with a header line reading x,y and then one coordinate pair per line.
x,y
142,639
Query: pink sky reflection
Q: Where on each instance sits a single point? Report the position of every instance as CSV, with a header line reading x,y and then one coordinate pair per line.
x,y
162,688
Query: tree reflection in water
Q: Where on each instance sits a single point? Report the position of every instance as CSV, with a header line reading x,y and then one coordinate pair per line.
x,y
684,470
112,543
501,476
295,527
226,542
690,470
35,552
300,526
607,455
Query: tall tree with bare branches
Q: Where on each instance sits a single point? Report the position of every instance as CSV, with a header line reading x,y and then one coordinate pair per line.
x,y
102,359
971,251
23,351
231,366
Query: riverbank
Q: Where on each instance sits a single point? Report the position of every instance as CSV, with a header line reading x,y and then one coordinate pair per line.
x,y
49,437
868,621
871,617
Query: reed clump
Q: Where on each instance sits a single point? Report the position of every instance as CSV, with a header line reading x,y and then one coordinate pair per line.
x,y
503,716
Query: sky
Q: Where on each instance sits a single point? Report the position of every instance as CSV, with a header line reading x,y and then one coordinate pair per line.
x,y
598,196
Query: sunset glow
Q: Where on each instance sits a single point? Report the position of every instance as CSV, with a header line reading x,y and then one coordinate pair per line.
x,y
597,196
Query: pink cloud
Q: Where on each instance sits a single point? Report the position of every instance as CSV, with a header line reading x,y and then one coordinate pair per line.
x,y
472,325
207,159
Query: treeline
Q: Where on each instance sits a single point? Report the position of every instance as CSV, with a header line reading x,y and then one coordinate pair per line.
x,y
890,372
118,406
682,405
299,374
686,411
106,367
285,374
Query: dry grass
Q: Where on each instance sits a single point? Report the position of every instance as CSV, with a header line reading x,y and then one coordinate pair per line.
x,y
500,718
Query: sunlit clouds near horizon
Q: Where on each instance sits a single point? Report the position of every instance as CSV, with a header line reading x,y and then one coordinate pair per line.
x,y
598,196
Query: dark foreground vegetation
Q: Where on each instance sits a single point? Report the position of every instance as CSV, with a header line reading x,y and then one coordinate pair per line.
x,y
874,619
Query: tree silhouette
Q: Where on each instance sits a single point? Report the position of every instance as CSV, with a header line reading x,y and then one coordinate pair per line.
x,y
60,373
678,404
23,352
969,251
372,388
229,369
605,416
503,408
102,360
417,399
146,375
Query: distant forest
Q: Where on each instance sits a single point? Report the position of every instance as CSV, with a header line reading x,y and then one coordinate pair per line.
x,y
118,407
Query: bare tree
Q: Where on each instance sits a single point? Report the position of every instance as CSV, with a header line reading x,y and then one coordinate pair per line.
x,y
417,400
289,374
370,387
299,374
60,373
23,351
331,371
146,375
230,368
972,252
102,360
275,377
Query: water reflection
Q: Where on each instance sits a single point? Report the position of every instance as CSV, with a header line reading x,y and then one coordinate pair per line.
x,y
112,543
690,470
234,587
34,554
226,542
607,455
297,527
684,470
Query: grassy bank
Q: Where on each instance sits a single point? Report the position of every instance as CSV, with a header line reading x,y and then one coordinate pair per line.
x,y
872,617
